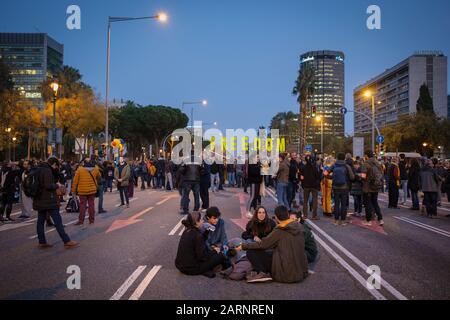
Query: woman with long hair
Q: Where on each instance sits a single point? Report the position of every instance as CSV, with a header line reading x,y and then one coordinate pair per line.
x,y
260,226
193,256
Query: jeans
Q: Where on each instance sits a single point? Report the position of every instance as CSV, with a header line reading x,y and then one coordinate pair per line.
x,y
56,217
239,179
357,200
404,186
187,187
415,199
431,199
204,195
340,204
108,185
231,179
159,180
143,180
300,195
215,180
282,194
101,192
169,179
315,195
290,192
371,204
84,201
6,203
123,191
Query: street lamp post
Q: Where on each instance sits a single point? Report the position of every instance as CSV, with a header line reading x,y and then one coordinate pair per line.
x,y
14,139
193,103
55,87
161,17
372,96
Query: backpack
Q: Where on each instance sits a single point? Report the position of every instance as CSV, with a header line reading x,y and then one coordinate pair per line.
x,y
73,205
340,175
31,185
376,178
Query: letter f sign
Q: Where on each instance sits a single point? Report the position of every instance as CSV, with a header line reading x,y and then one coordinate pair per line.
x,y
374,20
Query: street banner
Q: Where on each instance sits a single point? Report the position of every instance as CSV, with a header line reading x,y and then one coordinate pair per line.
x,y
358,147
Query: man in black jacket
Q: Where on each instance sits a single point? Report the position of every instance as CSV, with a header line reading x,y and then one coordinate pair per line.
x,y
7,191
191,181
310,175
46,204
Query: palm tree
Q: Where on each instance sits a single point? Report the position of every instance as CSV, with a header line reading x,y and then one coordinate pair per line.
x,y
304,89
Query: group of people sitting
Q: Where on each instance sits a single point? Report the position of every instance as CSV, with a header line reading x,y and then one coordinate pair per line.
x,y
279,248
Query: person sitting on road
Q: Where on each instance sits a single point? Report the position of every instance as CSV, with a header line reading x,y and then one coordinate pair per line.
x,y
260,226
287,263
194,257
215,225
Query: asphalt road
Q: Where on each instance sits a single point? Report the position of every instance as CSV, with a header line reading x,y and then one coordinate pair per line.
x,y
129,254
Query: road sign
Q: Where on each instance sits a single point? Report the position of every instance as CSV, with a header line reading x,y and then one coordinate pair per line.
x,y
380,139
308,148
343,110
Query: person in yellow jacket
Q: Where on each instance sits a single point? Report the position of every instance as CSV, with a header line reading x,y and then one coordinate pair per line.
x,y
326,188
84,185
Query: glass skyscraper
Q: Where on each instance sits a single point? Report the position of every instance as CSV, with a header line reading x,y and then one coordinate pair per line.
x,y
329,94
32,57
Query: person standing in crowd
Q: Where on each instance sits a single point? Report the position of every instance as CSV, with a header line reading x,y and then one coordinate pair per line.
x,y
221,174
259,227
160,173
429,180
122,175
283,180
239,174
440,170
193,255
215,179
67,172
85,186
46,204
385,166
356,189
27,202
245,175
101,183
191,181
326,186
293,180
447,181
109,176
414,183
287,242
393,183
342,175
254,181
310,176
7,191
205,181
372,177
403,167
142,170
231,172
168,174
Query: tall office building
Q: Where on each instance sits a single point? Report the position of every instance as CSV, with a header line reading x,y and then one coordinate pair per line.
x,y
397,90
329,94
32,57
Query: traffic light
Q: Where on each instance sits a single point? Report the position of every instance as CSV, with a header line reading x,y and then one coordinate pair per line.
x,y
382,151
313,111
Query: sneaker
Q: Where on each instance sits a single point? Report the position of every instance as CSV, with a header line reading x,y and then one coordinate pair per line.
x,y
249,215
121,205
259,277
367,223
102,211
344,223
381,222
336,222
128,205
71,244
44,246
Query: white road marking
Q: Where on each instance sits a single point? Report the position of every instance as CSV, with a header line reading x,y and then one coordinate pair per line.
x,y
346,266
127,284
177,226
164,200
409,201
181,231
53,229
144,284
131,200
425,226
358,262
16,213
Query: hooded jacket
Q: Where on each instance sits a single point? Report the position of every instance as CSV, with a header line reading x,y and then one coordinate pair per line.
x,y
289,262
218,237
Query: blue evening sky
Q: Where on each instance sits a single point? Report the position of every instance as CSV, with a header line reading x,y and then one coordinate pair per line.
x,y
241,55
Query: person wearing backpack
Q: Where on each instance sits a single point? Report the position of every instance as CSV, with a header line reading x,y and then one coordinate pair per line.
x,y
85,186
372,178
342,175
45,202
27,200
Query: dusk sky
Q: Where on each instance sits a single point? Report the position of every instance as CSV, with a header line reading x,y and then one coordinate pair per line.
x,y
240,55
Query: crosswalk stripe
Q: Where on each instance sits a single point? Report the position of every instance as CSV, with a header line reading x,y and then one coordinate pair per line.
x,y
424,226
177,226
